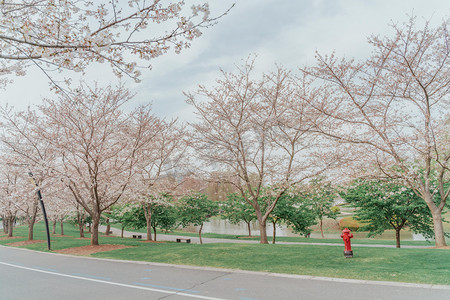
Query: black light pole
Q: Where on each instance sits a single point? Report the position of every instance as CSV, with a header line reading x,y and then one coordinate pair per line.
x,y
38,191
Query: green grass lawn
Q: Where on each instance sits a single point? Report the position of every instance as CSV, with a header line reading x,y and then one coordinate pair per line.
x,y
406,265
390,264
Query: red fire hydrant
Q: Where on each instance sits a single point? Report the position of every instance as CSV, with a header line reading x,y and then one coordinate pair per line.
x,y
346,236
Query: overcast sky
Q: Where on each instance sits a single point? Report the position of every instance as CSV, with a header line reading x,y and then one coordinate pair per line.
x,y
286,32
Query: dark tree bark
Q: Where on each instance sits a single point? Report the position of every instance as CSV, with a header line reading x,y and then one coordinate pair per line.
x,y
11,221
148,218
397,237
62,226
5,224
108,227
200,233
80,220
95,224
274,234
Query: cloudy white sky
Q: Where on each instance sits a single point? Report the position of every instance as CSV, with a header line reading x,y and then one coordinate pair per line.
x,y
286,32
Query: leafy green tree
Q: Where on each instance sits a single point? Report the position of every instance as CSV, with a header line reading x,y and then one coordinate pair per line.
x,y
128,216
294,210
301,216
164,217
322,196
386,205
196,209
236,210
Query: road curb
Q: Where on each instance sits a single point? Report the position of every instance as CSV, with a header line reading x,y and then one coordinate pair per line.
x,y
230,271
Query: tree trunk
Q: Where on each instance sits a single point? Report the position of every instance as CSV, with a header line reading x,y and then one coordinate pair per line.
x,y
154,233
249,229
62,226
200,233
263,232
149,230
108,227
94,235
274,234
80,220
32,219
397,237
82,226
121,232
439,236
5,224
11,226
321,227
30,231
438,229
54,227
262,226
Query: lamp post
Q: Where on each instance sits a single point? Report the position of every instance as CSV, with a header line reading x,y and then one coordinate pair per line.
x,y
38,191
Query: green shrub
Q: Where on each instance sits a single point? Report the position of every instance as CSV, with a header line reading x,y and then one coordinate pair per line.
x,y
350,223
335,209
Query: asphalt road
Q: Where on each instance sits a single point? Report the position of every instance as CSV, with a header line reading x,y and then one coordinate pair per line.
x,y
27,274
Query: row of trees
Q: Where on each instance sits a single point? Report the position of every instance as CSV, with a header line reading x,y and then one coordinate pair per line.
x,y
87,152
379,206
300,210
384,117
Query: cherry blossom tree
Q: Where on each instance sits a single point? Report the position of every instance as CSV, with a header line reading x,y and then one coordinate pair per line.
x,y
24,151
322,196
27,203
97,143
60,203
259,131
394,108
72,34
19,200
155,174
8,211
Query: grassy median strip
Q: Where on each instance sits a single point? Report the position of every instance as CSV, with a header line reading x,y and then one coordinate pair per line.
x,y
430,266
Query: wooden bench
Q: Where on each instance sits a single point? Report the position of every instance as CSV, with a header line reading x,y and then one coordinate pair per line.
x,y
182,239
137,236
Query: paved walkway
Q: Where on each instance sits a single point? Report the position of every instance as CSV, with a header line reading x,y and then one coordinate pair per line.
x,y
196,240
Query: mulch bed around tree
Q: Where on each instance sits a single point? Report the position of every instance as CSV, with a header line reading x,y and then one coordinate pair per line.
x,y
246,237
87,250
24,243
13,237
83,238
